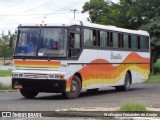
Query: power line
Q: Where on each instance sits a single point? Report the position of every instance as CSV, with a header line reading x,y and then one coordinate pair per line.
x,y
35,7
69,6
32,14
64,8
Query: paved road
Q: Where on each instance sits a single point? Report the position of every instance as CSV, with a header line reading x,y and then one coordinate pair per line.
x,y
148,94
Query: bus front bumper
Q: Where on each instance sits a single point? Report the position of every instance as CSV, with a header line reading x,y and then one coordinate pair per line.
x,y
40,85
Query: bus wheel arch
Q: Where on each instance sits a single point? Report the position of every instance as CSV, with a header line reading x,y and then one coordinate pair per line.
x,y
80,77
127,82
75,87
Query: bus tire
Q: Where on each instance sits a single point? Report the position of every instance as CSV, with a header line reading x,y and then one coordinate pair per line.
x,y
126,85
75,88
28,93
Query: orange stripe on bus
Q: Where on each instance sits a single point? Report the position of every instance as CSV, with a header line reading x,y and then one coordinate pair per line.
x,y
37,63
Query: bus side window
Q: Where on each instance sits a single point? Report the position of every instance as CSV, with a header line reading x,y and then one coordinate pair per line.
x,y
134,41
74,45
88,37
115,40
125,41
144,43
102,39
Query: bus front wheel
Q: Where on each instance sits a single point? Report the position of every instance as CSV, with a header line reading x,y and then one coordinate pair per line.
x,y
126,85
28,93
75,88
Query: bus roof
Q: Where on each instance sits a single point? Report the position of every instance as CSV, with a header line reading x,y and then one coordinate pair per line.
x,y
91,25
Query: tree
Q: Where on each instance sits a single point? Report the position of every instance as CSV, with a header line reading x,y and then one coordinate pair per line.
x,y
131,14
96,9
5,51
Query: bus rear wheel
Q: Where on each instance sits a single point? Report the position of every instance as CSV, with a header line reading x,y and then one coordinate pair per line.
x,y
126,85
75,88
28,93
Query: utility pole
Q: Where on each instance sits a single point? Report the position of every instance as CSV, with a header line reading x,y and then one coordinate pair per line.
x,y
74,11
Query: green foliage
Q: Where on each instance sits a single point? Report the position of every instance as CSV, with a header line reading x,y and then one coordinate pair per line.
x,y
130,14
133,107
96,10
5,73
154,79
156,67
5,51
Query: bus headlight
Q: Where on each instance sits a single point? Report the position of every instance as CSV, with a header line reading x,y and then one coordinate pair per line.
x,y
56,76
15,75
20,75
51,76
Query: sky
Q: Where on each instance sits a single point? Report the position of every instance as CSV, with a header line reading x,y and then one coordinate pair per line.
x,y
15,12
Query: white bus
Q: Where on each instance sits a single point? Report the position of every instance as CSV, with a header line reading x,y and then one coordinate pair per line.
x,y
69,58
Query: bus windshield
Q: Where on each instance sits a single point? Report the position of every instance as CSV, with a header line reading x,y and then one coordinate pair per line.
x,y
52,42
27,42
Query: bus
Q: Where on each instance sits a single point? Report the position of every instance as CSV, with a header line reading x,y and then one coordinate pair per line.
x,y
75,56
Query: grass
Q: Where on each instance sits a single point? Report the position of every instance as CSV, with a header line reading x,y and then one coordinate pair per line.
x,y
153,79
5,87
133,107
5,73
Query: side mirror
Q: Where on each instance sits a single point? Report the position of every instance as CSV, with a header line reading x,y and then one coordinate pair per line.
x,y
11,42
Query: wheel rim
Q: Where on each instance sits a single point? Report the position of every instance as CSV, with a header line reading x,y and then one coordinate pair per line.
x,y
74,86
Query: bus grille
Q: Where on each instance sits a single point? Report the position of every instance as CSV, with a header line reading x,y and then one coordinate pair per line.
x,y
35,76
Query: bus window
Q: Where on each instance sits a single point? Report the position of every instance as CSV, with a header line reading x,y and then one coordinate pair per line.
x,y
103,39
125,41
144,43
115,40
134,42
75,41
88,37
74,47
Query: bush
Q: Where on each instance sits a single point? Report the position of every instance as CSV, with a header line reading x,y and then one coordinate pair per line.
x,y
156,67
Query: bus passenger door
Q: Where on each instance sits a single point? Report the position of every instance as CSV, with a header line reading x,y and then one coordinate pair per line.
x,y
74,53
